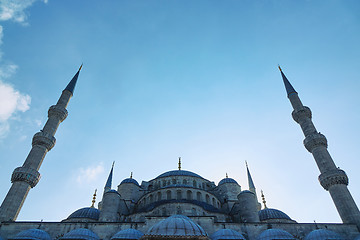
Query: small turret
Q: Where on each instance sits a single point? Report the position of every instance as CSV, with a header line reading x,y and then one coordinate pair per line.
x,y
248,207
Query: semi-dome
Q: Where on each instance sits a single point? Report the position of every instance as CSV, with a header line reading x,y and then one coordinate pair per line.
x,y
271,213
81,234
227,180
33,234
129,180
176,225
87,212
274,233
128,234
227,234
179,173
323,234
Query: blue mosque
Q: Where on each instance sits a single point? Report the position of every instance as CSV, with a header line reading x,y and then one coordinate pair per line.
x,y
178,204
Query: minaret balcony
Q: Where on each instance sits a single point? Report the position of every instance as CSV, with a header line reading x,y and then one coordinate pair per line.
x,y
330,178
24,174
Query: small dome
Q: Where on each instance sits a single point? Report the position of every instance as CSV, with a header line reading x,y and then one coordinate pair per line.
x,y
130,180
274,233
227,180
323,234
87,212
112,191
270,213
128,234
33,234
227,234
176,225
81,234
178,173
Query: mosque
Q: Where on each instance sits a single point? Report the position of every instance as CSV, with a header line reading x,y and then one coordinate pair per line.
x,y
179,204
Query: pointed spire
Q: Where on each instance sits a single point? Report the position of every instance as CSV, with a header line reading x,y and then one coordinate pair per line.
x,y
289,88
179,163
250,181
263,199
71,86
94,199
109,180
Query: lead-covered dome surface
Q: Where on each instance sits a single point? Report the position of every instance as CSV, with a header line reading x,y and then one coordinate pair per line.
x,y
87,212
227,180
128,234
176,225
81,234
323,234
33,234
179,173
227,234
271,213
274,233
129,180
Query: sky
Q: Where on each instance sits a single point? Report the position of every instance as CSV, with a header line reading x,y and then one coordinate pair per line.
x,y
191,79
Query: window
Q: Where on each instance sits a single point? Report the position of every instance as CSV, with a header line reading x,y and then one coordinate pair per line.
x,y
168,195
189,195
185,182
198,196
207,199
178,194
159,196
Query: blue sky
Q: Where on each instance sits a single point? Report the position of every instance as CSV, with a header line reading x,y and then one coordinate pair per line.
x,y
163,79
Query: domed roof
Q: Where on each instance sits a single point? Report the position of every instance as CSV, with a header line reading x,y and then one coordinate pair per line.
x,y
87,212
227,234
176,225
178,173
128,234
323,234
33,234
130,180
274,234
246,191
270,213
227,180
81,234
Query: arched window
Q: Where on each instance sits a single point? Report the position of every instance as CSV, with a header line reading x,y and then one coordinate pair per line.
x,y
194,183
213,202
218,204
163,183
207,199
178,210
173,181
178,194
159,196
168,182
185,182
198,196
151,198
168,195
189,195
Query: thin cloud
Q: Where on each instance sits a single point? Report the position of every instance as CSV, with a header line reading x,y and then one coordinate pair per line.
x,y
89,174
15,10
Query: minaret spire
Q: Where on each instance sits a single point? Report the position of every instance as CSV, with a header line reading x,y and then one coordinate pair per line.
x,y
332,178
27,176
94,199
250,181
109,180
179,163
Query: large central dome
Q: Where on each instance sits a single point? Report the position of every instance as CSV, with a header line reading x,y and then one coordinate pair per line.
x,y
178,173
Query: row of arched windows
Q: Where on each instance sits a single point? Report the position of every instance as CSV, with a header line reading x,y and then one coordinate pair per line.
x,y
179,195
173,181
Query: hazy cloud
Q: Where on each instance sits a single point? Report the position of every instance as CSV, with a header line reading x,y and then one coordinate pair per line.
x,y
89,174
15,10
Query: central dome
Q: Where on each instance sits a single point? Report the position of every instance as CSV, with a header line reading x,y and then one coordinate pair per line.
x,y
176,225
179,173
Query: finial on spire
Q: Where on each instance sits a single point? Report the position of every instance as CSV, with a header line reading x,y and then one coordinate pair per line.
x,y
250,181
289,88
94,199
179,163
226,175
80,67
246,164
131,174
263,199
71,86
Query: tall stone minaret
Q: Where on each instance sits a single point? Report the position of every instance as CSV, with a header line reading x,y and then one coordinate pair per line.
x,y
332,178
27,176
251,184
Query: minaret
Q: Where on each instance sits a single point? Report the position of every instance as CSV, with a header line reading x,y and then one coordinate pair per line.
x,y
250,181
332,178
109,180
27,176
